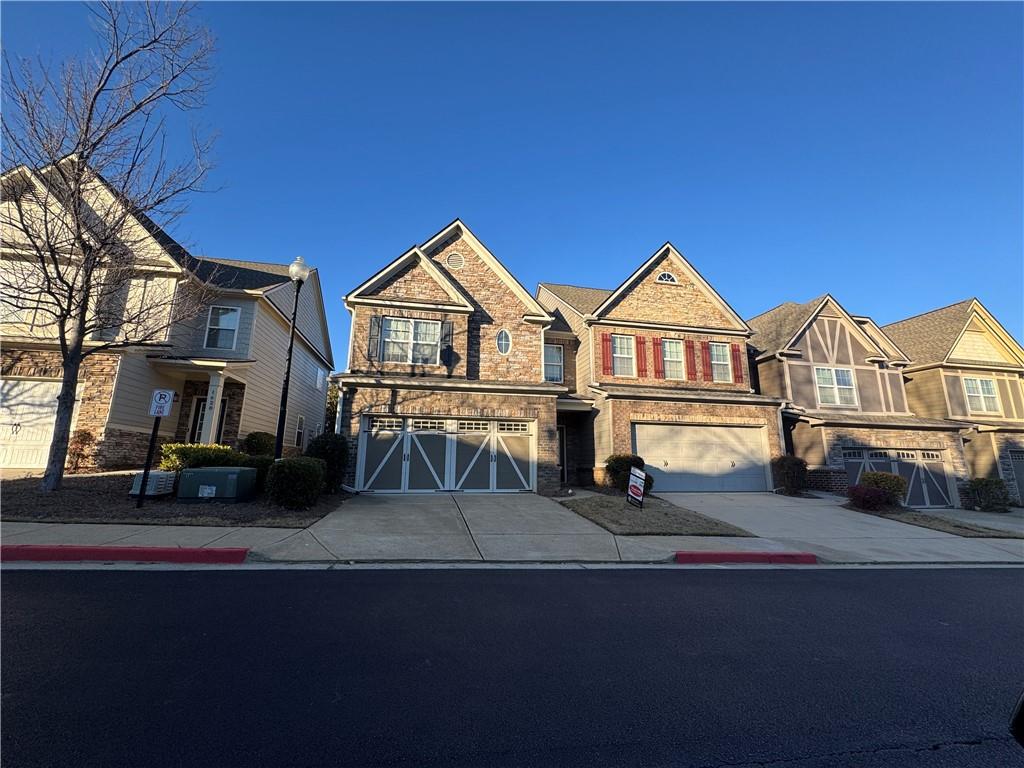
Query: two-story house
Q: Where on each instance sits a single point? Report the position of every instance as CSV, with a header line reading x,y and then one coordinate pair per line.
x,y
967,368
226,365
847,410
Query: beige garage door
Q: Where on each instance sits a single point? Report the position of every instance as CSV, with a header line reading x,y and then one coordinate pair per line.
x,y
687,458
27,413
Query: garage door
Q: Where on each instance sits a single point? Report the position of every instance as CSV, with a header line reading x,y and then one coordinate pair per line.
x,y
27,412
689,458
416,455
924,471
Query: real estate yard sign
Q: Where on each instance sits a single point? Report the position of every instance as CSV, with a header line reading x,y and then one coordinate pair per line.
x,y
635,489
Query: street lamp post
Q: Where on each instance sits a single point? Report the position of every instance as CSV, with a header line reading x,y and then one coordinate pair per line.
x,y
298,271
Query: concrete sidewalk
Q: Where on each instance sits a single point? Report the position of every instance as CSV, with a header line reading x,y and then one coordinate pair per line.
x,y
125,535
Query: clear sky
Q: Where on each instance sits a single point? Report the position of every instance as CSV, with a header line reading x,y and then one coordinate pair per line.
x,y
869,150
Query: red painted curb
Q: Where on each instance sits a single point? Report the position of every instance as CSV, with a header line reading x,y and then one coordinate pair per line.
x,y
792,558
77,553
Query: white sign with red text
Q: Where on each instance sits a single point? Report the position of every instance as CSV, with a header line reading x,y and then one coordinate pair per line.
x,y
635,489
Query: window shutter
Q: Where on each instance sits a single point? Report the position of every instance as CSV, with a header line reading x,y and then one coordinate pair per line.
x,y
373,344
447,356
606,354
737,364
658,358
641,357
705,351
691,360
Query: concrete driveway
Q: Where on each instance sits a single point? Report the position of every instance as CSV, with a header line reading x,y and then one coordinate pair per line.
x,y
842,535
493,527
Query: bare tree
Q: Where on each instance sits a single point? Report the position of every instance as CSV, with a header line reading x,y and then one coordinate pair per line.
x,y
85,148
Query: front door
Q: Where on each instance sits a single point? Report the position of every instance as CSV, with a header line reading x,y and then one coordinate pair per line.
x,y
199,413
563,475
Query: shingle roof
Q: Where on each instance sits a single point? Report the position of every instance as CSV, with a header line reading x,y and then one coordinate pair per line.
x,y
928,338
583,300
240,275
559,325
868,420
773,329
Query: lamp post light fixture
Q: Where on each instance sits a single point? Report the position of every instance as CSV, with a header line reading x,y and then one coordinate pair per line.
x,y
298,271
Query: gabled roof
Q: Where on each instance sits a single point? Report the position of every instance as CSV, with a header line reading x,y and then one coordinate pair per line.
x,y
559,324
414,256
583,300
240,275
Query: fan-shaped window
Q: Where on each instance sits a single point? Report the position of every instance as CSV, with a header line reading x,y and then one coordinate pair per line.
x,y
504,341
666,277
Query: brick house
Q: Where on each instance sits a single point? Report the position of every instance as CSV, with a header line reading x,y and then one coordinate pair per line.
x,y
968,369
460,380
225,365
847,408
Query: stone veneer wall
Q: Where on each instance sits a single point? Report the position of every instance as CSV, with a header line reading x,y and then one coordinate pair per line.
x,y
234,393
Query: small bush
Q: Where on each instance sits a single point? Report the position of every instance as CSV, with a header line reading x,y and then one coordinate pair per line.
x,y
617,468
333,449
295,483
79,445
178,456
262,465
989,494
790,473
258,444
868,497
894,486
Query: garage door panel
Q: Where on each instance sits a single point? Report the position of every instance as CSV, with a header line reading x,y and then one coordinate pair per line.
x,y
702,459
512,463
473,462
428,457
28,411
383,460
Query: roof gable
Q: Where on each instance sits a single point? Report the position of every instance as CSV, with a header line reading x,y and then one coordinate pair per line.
x,y
310,317
412,279
783,328
984,340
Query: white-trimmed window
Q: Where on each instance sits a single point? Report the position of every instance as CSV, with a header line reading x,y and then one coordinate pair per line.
x,y
981,395
321,376
623,355
222,327
672,359
504,342
666,277
300,431
553,363
721,362
410,341
835,386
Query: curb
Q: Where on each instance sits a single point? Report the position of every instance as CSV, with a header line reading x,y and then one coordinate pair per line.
x,y
774,558
78,553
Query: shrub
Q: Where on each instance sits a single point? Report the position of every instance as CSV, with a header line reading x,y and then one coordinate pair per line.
x,y
262,465
178,456
790,473
295,483
989,494
617,468
894,486
333,449
868,497
79,445
258,444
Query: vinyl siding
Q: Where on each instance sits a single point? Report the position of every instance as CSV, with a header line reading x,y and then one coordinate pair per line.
x,y
924,394
807,444
308,319
772,378
584,353
133,392
981,458
189,336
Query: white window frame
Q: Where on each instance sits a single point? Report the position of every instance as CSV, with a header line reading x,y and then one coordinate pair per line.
x,y
321,377
560,364
631,357
412,339
497,342
300,431
835,386
981,395
667,278
665,359
236,329
728,361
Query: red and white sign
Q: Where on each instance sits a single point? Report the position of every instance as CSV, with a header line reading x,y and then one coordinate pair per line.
x,y
635,489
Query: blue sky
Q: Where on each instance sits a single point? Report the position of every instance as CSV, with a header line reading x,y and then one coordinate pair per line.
x,y
870,150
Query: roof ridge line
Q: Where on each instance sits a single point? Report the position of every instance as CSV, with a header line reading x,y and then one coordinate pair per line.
x,y
929,311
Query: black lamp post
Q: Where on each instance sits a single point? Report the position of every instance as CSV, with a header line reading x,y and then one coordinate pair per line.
x,y
298,271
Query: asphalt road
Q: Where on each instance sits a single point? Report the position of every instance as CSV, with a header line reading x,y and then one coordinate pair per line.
x,y
860,668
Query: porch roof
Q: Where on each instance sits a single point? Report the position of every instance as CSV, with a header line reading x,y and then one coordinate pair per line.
x,y
882,421
182,365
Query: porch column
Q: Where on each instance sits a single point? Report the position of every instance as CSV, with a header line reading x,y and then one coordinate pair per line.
x,y
212,416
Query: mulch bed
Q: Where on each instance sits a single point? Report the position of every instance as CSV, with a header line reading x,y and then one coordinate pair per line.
x,y
936,523
657,517
105,499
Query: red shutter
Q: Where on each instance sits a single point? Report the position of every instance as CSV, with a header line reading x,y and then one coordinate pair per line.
x,y
691,360
705,351
606,354
737,364
641,357
659,360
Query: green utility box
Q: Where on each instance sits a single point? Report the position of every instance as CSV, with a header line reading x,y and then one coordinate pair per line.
x,y
217,484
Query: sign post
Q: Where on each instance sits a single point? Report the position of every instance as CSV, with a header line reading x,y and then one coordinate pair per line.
x,y
159,406
635,489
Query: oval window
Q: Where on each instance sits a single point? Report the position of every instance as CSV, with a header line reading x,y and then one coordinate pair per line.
x,y
504,342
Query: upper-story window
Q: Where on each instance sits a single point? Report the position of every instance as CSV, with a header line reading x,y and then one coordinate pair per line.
x,y
666,277
504,342
410,341
981,395
553,363
721,363
835,386
623,355
672,359
321,375
222,327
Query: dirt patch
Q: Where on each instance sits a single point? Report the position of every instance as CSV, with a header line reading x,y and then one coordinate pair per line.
x,y
935,523
105,499
656,518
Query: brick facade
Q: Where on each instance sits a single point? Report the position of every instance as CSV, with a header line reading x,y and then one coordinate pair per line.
x,y
1006,442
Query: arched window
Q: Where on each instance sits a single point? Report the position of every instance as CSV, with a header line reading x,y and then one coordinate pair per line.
x,y
504,341
666,277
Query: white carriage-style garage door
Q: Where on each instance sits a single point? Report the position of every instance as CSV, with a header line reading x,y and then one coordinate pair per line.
x,y
700,459
425,454
27,413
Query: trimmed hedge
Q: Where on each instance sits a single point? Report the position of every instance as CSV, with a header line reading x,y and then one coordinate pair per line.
x,y
333,449
175,457
617,468
894,486
989,494
258,444
295,483
262,466
868,497
790,473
